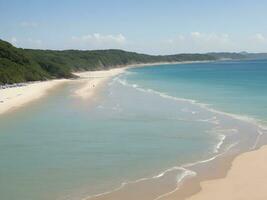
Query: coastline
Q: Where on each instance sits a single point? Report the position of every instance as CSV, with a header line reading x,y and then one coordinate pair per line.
x,y
15,97
234,171
92,80
247,173
191,187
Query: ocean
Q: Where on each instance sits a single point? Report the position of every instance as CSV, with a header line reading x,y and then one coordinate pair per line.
x,y
144,133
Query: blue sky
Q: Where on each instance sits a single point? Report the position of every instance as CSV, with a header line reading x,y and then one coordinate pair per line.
x,y
149,26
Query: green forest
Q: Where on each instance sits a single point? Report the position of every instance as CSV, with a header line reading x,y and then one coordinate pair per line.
x,y
22,65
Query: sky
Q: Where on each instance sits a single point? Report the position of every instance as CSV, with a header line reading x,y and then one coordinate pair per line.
x,y
145,26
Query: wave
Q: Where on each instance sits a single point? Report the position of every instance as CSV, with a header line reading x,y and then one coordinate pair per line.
x,y
222,135
185,173
245,118
218,146
212,158
188,173
257,139
212,120
104,193
184,168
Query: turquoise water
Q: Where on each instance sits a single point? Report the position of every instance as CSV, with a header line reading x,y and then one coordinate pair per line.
x,y
137,135
232,86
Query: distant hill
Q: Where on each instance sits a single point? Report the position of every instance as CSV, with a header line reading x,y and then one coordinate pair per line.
x,y
22,65
227,55
256,55
239,56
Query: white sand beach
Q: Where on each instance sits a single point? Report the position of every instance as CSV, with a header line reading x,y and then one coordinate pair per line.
x,y
93,79
14,97
246,180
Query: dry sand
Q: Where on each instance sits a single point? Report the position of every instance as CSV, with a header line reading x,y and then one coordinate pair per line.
x,y
246,180
15,97
11,98
93,79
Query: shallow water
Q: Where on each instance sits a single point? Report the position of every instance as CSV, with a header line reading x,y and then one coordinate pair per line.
x,y
137,139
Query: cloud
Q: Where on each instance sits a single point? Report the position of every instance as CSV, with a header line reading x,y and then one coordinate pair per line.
x,y
256,43
200,42
196,35
26,43
192,42
208,37
259,38
213,42
28,24
96,41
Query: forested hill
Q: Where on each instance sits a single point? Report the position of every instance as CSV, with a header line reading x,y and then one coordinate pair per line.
x,y
21,65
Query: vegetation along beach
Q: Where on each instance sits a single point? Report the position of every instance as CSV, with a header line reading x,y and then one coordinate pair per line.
x,y
133,100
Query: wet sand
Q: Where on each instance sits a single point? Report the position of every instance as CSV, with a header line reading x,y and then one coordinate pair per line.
x,y
91,81
15,97
246,180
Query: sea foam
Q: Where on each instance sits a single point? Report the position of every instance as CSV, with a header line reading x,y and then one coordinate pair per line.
x,y
183,169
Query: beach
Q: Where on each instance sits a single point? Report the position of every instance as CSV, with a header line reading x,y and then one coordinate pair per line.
x,y
14,97
246,180
207,134
91,80
133,100
247,171
17,96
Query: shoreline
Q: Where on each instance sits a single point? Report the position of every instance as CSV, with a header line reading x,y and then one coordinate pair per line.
x,y
209,185
15,97
12,98
246,172
92,80
191,186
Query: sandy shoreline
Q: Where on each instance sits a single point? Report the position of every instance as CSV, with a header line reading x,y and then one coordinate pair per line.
x,y
91,80
245,180
15,97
